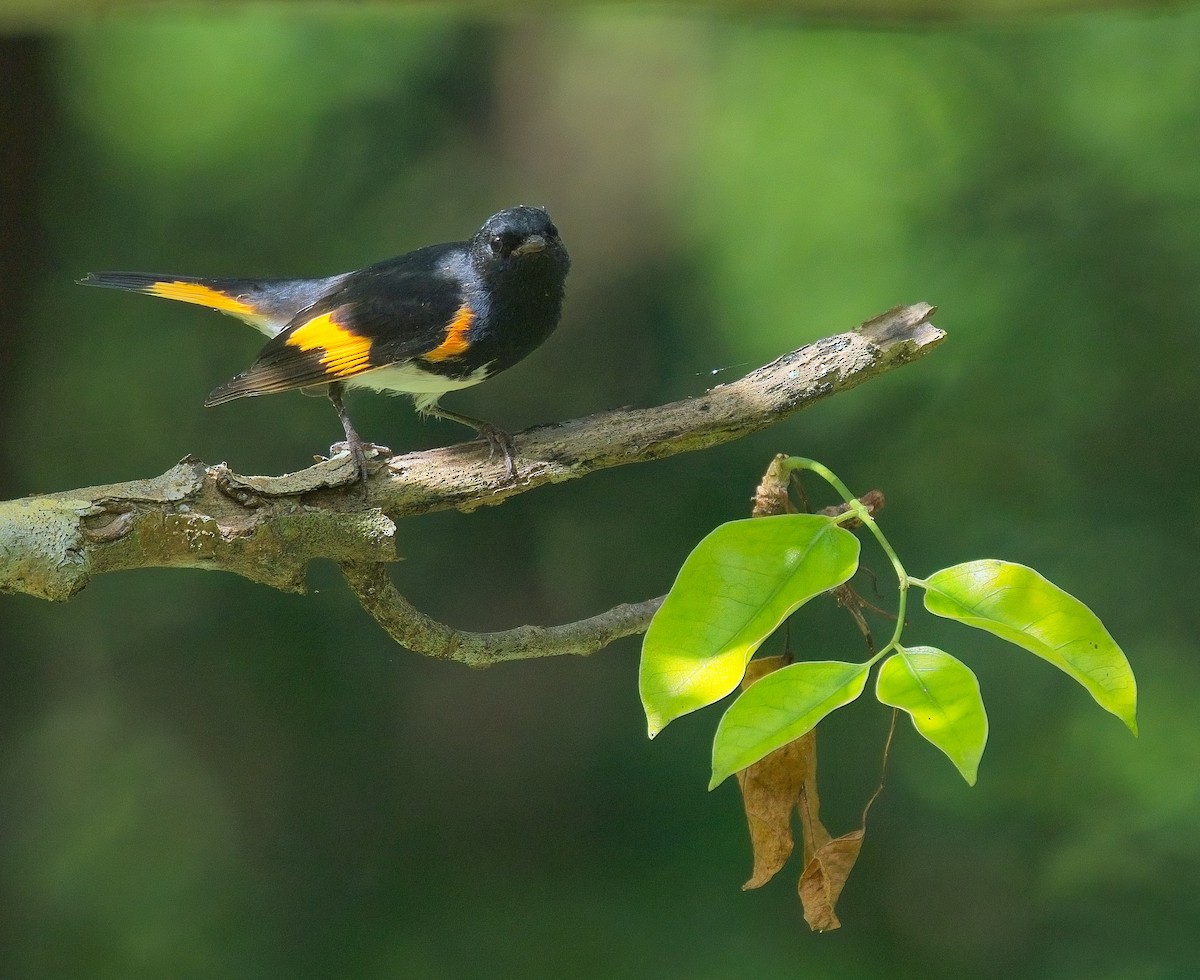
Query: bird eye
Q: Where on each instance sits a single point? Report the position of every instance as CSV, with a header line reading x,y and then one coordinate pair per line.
x,y
496,243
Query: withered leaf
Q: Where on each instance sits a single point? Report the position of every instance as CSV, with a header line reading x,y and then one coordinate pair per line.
x,y
829,867
823,879
771,788
815,834
760,667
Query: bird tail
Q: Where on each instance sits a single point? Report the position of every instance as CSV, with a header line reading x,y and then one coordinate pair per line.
x,y
233,296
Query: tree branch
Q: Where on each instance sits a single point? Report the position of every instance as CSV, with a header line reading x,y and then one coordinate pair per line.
x,y
419,633
267,529
463,477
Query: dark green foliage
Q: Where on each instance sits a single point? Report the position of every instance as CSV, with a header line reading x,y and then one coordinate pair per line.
x,y
205,778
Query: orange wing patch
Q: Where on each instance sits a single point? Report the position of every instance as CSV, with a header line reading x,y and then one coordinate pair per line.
x,y
345,352
192,292
457,341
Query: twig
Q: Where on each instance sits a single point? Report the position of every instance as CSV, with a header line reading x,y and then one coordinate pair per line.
x,y
420,634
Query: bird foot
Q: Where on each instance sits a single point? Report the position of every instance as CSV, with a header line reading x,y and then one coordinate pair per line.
x,y
500,441
359,452
372,449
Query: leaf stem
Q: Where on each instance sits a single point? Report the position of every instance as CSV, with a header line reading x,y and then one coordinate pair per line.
x,y
857,510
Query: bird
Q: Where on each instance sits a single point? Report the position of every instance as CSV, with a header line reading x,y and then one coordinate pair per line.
x,y
431,321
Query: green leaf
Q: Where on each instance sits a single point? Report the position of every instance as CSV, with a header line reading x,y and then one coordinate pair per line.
x,y
779,708
941,695
732,592
1019,605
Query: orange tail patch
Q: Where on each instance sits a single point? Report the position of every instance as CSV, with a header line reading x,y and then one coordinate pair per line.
x,y
193,292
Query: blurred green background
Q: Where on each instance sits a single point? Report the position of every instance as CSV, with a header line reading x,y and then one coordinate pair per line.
x,y
201,777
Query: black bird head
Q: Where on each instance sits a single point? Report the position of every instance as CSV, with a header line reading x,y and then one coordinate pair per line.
x,y
521,239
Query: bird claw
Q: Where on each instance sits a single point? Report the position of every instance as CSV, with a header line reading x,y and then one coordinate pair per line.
x,y
368,449
500,441
359,451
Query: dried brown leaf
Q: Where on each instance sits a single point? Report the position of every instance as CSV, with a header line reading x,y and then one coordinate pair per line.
x,y
772,787
824,877
760,667
809,805
829,867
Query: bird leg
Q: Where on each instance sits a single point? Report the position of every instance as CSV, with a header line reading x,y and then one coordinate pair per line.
x,y
498,439
353,443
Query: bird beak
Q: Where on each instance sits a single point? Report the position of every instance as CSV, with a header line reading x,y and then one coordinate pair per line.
x,y
534,243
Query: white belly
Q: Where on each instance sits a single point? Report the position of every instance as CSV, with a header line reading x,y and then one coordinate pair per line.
x,y
407,379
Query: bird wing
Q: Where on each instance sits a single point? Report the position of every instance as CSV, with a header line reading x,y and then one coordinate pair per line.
x,y
375,318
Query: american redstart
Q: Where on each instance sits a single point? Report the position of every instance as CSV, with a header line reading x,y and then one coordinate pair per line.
x,y
435,320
